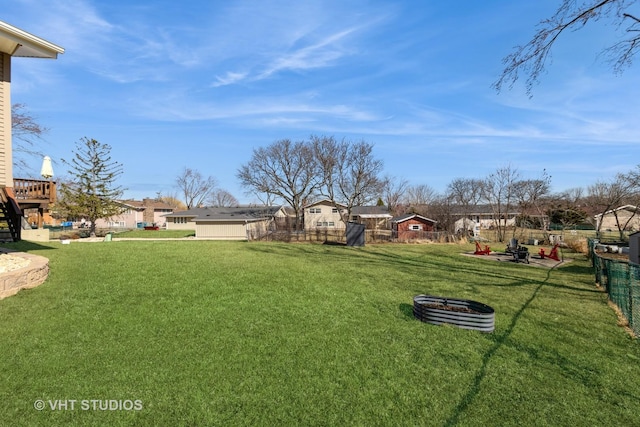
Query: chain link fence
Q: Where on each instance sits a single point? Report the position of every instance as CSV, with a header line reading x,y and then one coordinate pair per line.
x,y
621,280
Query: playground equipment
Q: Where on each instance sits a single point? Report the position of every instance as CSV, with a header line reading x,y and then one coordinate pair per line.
x,y
552,255
480,251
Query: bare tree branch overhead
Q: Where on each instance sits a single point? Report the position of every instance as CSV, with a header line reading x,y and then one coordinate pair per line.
x,y
529,61
28,137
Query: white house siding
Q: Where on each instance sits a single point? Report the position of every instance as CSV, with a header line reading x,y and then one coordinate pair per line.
x,y
485,223
177,224
221,230
6,165
328,219
609,221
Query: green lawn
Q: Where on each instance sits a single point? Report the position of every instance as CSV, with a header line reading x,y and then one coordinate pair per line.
x,y
262,334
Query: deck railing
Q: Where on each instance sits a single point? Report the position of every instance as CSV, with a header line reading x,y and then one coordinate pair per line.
x,y
34,189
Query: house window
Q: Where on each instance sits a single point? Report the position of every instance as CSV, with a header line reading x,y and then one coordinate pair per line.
x,y
180,220
116,224
325,224
315,210
334,210
415,227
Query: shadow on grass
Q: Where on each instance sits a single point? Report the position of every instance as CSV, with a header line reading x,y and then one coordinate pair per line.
x,y
499,342
577,269
498,275
406,310
25,246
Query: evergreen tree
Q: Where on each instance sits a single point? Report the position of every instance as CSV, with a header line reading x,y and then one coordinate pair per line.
x,y
91,192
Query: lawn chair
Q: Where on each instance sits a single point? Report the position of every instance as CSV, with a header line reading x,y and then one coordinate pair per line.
x,y
480,251
512,247
521,254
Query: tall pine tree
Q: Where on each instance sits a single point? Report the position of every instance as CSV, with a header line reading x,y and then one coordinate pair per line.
x,y
91,192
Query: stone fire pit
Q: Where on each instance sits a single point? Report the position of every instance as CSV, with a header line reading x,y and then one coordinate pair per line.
x,y
462,313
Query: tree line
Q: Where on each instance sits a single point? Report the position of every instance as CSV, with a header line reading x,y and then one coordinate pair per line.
x,y
348,174
344,172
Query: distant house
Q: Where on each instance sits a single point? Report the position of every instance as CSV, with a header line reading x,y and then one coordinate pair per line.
x,y
482,215
628,218
232,223
411,226
137,214
373,217
324,215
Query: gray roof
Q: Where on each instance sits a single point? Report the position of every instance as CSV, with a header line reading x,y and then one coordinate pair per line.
x,y
241,214
483,209
371,210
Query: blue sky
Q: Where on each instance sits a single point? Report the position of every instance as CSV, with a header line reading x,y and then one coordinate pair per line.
x,y
200,84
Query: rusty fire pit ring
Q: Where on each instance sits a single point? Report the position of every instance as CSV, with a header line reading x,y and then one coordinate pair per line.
x,y
462,313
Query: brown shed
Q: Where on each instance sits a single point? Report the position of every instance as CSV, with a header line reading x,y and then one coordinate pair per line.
x,y
412,226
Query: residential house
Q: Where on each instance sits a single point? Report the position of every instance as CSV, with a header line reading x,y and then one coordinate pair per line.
x,y
482,216
15,42
628,216
412,226
323,215
373,217
230,223
138,214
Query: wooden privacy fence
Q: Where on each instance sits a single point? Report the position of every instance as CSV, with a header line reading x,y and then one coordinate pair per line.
x,y
338,236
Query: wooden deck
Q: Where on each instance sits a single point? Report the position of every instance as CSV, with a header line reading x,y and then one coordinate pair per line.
x,y
34,193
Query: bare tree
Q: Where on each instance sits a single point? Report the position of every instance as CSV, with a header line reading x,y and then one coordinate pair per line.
x,y
223,199
567,208
394,191
530,195
285,169
171,200
27,135
608,196
264,199
350,173
571,15
464,194
328,154
498,190
439,209
194,187
420,195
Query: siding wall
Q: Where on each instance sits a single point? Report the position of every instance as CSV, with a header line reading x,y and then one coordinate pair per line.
x,y
609,221
171,225
402,229
6,160
221,230
326,215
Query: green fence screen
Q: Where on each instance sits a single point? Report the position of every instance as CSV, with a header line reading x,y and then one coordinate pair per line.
x,y
621,281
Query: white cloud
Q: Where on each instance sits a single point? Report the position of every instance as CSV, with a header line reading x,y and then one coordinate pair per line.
x,y
228,79
320,54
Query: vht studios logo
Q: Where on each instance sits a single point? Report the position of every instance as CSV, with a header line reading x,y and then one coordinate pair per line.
x,y
88,405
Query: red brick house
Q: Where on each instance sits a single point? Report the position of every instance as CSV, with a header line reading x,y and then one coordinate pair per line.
x,y
412,226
